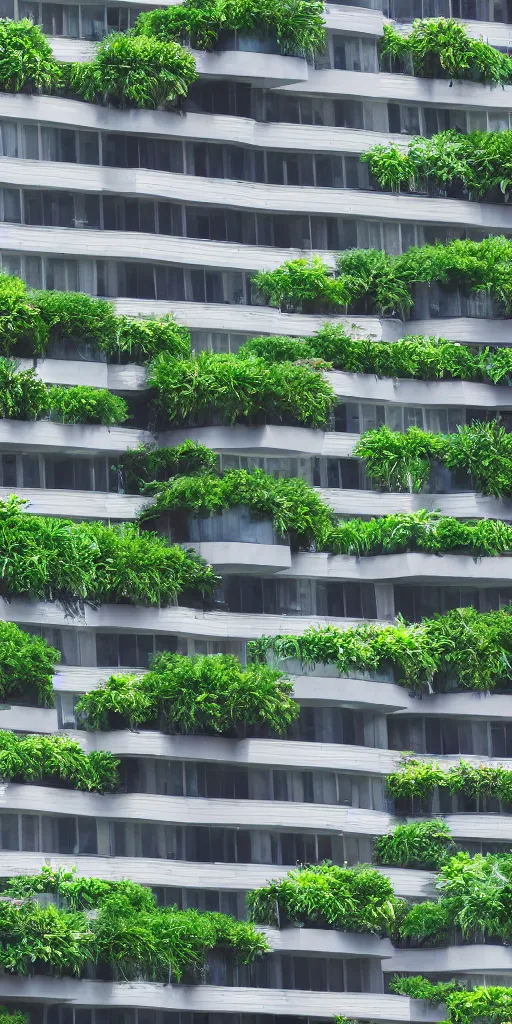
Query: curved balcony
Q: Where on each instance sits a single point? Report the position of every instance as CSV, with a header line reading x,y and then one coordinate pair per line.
x,y
268,439
206,127
79,504
483,958
462,505
74,438
130,377
233,540
247,195
404,89
217,999
413,567
369,388
141,246
324,942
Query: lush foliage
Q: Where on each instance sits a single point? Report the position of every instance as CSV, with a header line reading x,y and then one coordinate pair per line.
x,y
216,388
473,166
23,396
212,694
6,1017
491,1005
31,321
293,505
385,281
26,59
149,463
416,778
134,71
357,899
56,760
441,48
470,648
475,897
403,462
26,667
413,356
297,25
128,934
420,844
50,558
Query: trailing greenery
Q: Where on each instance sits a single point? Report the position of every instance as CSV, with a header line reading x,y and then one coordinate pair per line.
x,y
441,48
134,71
469,648
6,1017
210,694
26,667
31,321
420,844
474,166
128,935
403,462
23,396
357,899
297,25
26,59
415,357
50,558
385,281
150,464
56,760
218,388
485,1005
417,778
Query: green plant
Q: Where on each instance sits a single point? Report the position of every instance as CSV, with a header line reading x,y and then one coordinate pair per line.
x,y
83,404
324,895
470,648
212,694
56,758
74,316
51,558
478,893
385,281
6,1017
134,71
441,48
474,166
26,59
414,356
482,1004
298,25
142,338
26,667
21,327
416,778
428,923
149,463
23,396
403,462
420,844
224,389
128,934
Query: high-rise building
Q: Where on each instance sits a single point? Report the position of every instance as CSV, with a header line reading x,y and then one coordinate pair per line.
x,y
129,177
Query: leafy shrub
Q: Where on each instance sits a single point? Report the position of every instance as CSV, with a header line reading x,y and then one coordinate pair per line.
x,y
492,1004
294,507
149,463
477,892
135,71
23,396
224,389
31,321
474,166
471,648
56,759
78,892
212,694
83,404
26,667
6,1017
441,48
419,531
417,778
428,923
414,356
26,59
403,462
50,558
298,25
129,935
420,844
324,895
385,281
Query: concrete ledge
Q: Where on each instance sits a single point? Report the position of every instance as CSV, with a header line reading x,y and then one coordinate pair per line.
x,y
472,959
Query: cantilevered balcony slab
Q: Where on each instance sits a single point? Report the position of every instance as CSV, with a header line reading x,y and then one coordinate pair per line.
x,y
462,504
130,377
216,999
405,89
412,567
72,438
440,393
236,556
483,958
328,942
78,504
